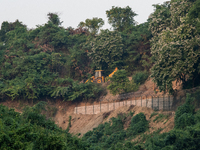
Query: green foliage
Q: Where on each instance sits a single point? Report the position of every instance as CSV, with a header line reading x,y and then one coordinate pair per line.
x,y
153,114
184,114
160,117
71,90
175,45
53,18
186,133
138,125
93,24
117,125
121,84
111,135
140,77
31,130
78,63
121,18
32,62
69,124
185,120
194,15
105,50
137,54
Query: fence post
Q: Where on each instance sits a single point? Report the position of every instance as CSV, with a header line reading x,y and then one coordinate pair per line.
x,y
163,102
113,105
108,106
146,100
85,107
93,107
152,102
168,102
135,101
76,107
100,105
131,102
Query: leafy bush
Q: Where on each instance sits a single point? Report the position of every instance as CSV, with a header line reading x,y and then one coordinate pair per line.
x,y
110,135
121,84
160,117
185,120
139,124
187,110
116,126
140,77
71,90
153,114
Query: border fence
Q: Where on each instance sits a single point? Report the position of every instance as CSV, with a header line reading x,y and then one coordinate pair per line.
x,y
162,102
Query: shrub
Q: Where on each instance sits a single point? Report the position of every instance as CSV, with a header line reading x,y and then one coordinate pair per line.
x,y
139,124
187,108
71,90
117,125
153,114
185,120
140,77
121,84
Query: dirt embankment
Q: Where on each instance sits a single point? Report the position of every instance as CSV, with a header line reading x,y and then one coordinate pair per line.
x,y
81,123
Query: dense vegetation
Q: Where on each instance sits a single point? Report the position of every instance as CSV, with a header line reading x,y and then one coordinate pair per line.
x,y
31,130
120,83
112,136
175,45
53,61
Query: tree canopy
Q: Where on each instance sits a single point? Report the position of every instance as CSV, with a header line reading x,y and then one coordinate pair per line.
x,y
106,50
175,45
121,18
93,24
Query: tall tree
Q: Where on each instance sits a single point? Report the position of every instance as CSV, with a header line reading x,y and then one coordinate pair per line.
x,y
121,18
54,18
175,45
106,49
93,24
136,40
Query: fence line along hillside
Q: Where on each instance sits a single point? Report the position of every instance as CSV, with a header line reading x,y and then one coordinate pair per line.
x,y
156,103
164,102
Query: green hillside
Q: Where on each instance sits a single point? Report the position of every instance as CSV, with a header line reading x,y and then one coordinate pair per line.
x,y
52,61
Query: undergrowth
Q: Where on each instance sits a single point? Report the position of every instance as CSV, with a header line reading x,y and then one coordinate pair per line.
x,y
31,130
111,135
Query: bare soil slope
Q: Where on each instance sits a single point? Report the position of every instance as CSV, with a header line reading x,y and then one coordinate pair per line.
x,y
81,123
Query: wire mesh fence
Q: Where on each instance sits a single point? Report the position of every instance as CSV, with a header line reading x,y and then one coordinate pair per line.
x,y
162,102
